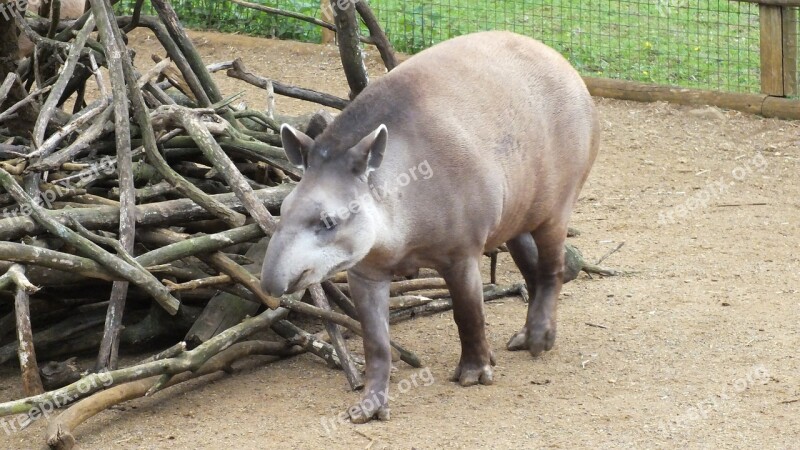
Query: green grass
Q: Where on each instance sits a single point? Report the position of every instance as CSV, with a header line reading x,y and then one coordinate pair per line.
x,y
707,44
227,17
711,44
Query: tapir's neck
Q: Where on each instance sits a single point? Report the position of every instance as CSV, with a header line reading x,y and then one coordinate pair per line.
x,y
389,218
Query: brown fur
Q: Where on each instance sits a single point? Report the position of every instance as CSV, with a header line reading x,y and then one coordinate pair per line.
x,y
70,9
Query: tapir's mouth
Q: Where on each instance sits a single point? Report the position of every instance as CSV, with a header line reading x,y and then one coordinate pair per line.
x,y
305,279
300,282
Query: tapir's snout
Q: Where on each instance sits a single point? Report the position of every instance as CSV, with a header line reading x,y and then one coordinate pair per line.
x,y
272,284
276,286
284,270
274,279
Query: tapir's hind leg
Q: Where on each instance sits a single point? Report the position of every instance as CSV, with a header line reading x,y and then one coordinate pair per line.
x,y
544,276
464,281
525,255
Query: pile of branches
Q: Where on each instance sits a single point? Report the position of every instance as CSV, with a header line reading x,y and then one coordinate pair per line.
x,y
142,216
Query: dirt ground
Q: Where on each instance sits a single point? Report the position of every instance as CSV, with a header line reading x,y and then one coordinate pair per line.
x,y
696,347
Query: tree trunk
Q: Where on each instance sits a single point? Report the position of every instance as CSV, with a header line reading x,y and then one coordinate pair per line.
x,y
347,37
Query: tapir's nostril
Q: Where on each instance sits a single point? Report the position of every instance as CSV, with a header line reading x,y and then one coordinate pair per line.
x,y
276,292
272,289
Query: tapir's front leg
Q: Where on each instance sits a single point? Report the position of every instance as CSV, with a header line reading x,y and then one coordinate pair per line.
x,y
372,302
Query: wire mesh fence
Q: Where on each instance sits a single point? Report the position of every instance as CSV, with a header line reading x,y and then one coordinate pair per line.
x,y
708,44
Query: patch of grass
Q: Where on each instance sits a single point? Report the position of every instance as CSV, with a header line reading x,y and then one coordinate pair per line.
x,y
227,17
708,44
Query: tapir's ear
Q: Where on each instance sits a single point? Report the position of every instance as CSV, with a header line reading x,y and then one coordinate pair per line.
x,y
296,145
367,155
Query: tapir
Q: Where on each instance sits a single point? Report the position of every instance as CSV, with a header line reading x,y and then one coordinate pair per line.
x,y
480,140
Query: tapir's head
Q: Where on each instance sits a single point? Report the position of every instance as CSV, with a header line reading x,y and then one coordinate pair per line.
x,y
328,222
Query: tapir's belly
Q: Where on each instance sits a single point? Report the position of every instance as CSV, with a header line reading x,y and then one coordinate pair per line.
x,y
459,213
485,200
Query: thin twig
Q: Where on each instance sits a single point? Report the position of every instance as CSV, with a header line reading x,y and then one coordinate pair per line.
x,y
8,113
609,253
240,72
726,205
197,284
350,370
5,88
58,88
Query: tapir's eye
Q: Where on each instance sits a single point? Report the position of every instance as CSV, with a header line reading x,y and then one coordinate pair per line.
x,y
327,221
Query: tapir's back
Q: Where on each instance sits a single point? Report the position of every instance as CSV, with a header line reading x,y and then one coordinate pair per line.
x,y
495,76
505,95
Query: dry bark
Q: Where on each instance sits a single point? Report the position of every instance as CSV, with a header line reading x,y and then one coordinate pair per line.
x,y
111,39
31,382
377,36
349,47
141,278
353,375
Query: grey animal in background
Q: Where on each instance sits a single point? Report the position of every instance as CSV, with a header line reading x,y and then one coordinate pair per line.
x,y
70,9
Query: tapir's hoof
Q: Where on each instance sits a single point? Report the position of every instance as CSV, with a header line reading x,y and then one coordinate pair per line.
x,y
469,375
518,341
359,413
537,341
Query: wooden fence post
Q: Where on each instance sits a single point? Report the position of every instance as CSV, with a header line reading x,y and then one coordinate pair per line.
x,y
778,25
789,16
326,13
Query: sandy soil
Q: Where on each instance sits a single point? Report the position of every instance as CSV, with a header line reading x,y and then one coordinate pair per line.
x,y
697,347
